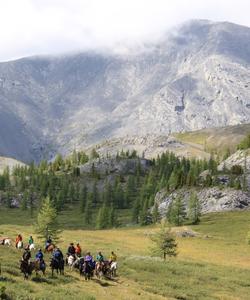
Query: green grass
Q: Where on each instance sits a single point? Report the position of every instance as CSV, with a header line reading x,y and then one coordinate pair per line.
x,y
213,265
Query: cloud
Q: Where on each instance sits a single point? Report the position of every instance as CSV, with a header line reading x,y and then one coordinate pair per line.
x,y
31,27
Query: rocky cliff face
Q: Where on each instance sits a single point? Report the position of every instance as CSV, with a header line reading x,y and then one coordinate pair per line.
x,y
197,76
211,199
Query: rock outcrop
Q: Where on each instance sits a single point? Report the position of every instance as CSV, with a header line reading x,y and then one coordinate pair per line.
x,y
211,199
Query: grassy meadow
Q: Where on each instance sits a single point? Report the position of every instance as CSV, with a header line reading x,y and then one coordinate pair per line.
x,y
213,265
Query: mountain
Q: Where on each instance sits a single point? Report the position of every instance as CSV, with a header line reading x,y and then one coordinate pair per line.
x,y
10,163
197,76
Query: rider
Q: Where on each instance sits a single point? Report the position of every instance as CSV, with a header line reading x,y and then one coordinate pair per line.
x,y
113,257
39,257
78,250
19,238
100,257
89,259
57,254
71,250
48,242
26,254
31,240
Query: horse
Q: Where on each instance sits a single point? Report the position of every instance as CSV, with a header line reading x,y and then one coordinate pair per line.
x,y
50,248
113,268
102,269
87,270
19,245
5,241
26,268
57,265
32,247
38,265
70,261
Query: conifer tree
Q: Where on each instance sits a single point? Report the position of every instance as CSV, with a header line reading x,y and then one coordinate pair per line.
x,y
155,213
46,224
194,209
102,220
112,217
136,211
177,213
88,210
164,243
83,198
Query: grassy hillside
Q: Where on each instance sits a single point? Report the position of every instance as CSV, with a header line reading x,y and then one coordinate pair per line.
x,y
219,139
214,265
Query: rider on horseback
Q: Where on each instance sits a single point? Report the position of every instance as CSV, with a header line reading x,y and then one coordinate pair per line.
x,y
89,259
112,258
48,243
31,240
26,255
57,254
19,238
78,250
39,257
100,257
71,250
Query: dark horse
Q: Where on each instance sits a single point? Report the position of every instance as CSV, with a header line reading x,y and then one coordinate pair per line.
x,y
58,265
26,268
87,269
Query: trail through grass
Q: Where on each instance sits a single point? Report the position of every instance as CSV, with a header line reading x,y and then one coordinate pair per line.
x,y
213,265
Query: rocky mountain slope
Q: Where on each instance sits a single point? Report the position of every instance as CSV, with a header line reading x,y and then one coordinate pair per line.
x,y
197,76
8,162
211,199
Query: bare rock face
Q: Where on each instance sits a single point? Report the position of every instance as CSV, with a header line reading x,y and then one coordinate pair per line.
x,y
196,77
211,199
240,158
105,166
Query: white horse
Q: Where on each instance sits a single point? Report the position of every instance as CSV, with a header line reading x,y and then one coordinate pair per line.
x,y
113,268
7,242
71,260
20,245
32,247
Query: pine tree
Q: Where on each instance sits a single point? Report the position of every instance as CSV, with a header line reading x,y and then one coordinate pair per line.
x,y
145,215
155,213
136,211
165,244
95,195
178,212
112,217
194,209
83,198
24,201
88,210
102,220
47,221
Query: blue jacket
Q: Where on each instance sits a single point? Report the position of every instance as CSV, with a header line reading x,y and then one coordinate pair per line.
x,y
39,255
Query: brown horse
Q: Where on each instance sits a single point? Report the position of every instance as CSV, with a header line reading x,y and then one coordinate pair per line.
x,y
37,266
102,269
50,248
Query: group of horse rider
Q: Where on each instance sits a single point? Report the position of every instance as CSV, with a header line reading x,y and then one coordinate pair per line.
x,y
74,252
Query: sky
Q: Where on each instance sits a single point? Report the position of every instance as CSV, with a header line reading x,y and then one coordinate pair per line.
x,y
35,27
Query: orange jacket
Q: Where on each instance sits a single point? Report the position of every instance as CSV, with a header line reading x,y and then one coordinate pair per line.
x,y
78,250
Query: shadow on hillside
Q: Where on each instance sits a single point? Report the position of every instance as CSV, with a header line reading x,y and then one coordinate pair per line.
x,y
101,283
41,280
6,279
